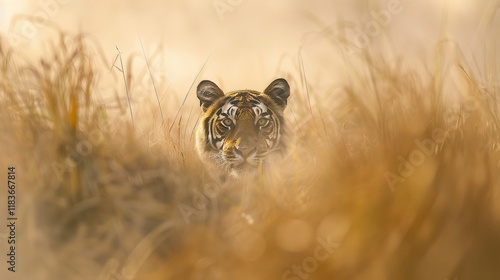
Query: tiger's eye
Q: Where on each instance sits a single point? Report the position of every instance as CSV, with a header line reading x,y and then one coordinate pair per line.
x,y
227,122
262,122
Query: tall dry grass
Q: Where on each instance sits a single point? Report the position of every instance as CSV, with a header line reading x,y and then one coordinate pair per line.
x,y
397,166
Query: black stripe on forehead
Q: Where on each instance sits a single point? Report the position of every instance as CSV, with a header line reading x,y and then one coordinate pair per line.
x,y
254,102
241,94
242,99
247,111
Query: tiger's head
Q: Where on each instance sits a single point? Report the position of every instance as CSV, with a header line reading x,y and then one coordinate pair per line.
x,y
242,129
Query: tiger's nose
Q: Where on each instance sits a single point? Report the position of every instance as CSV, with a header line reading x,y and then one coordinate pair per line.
x,y
245,152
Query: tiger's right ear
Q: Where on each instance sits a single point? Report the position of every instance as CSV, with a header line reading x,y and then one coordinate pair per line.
x,y
279,91
208,92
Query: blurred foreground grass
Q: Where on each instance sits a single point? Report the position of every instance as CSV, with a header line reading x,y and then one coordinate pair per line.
x,y
396,179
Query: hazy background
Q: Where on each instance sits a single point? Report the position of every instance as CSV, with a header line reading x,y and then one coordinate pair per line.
x,y
246,40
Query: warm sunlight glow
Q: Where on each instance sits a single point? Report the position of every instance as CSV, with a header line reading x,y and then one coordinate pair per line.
x,y
9,8
249,139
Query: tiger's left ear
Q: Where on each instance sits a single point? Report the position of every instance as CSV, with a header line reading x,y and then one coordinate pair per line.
x,y
278,91
208,92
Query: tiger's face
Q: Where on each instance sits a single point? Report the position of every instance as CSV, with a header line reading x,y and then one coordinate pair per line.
x,y
242,129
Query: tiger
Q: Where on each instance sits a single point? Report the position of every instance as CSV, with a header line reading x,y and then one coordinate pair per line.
x,y
242,130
